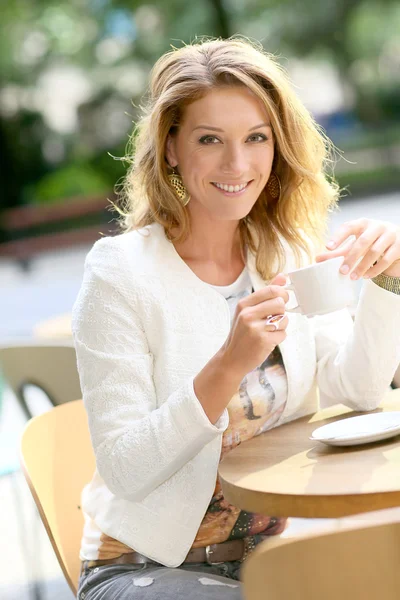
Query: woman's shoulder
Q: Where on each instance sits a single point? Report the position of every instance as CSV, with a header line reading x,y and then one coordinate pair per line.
x,y
118,266
127,248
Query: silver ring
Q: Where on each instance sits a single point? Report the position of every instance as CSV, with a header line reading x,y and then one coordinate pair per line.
x,y
274,320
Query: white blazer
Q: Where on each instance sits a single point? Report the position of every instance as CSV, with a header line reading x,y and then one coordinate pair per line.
x,y
144,325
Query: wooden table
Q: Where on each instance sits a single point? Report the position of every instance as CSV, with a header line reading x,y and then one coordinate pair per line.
x,y
283,473
55,328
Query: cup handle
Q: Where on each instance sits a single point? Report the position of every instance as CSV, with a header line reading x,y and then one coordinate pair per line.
x,y
295,309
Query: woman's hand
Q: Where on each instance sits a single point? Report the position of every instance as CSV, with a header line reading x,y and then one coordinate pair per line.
x,y
250,340
376,247
248,344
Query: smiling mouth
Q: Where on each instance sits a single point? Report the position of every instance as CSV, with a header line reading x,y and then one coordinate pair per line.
x,y
232,189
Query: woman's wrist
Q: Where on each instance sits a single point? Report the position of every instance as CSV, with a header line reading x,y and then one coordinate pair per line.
x,y
230,370
215,385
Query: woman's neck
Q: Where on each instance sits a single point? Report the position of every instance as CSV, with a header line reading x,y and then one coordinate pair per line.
x,y
214,253
215,241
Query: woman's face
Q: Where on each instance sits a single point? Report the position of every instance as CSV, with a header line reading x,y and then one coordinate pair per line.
x,y
224,151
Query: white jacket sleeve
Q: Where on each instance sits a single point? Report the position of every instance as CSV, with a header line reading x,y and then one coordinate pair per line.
x,y
138,445
356,363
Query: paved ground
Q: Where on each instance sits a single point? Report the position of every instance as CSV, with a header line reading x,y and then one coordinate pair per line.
x,y
28,568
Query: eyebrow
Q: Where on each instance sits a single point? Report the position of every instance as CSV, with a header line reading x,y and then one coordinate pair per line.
x,y
259,126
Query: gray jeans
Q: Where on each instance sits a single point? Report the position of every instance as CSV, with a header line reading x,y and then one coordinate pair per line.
x,y
198,581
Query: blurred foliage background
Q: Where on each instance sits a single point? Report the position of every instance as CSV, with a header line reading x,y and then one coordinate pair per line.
x,y
72,74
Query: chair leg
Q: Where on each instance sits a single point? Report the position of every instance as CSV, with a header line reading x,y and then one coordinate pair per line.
x,y
23,404
34,586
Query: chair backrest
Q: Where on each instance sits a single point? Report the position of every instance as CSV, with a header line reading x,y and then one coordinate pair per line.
x,y
50,366
360,562
57,460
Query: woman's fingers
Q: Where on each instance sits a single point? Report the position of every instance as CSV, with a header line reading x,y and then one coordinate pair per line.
x,y
356,228
276,322
374,255
360,248
262,310
375,249
390,258
269,292
342,251
279,279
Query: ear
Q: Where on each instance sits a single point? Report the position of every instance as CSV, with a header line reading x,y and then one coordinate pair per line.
x,y
170,151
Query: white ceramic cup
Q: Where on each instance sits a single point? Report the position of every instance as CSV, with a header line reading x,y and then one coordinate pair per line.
x,y
320,288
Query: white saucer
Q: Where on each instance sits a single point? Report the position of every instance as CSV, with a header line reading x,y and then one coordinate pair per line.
x,y
359,430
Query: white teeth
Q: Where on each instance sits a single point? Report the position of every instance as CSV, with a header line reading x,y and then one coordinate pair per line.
x,y
231,188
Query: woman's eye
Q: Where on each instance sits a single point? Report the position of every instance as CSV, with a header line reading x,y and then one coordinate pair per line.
x,y
211,139
208,139
258,137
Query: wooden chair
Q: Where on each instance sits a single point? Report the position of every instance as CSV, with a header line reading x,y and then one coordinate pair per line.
x,y
360,560
57,460
49,366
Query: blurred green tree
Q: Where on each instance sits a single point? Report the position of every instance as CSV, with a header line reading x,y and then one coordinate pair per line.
x,y
69,71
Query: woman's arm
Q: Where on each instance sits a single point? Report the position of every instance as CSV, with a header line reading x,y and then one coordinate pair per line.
x,y
356,363
137,445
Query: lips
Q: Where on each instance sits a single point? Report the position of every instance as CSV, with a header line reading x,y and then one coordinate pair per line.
x,y
239,187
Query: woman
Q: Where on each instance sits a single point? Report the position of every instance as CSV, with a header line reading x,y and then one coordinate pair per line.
x,y
179,358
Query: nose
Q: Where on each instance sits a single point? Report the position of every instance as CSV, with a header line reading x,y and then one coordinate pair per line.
x,y
234,160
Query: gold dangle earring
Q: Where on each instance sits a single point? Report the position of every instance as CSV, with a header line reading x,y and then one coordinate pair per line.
x,y
274,186
178,186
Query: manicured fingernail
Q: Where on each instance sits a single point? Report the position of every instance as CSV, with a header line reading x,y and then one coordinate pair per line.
x,y
354,276
344,269
331,244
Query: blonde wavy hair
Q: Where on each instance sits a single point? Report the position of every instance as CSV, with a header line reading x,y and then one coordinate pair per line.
x,y
302,152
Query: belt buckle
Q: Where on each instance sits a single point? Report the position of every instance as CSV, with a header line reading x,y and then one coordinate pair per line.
x,y
208,559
